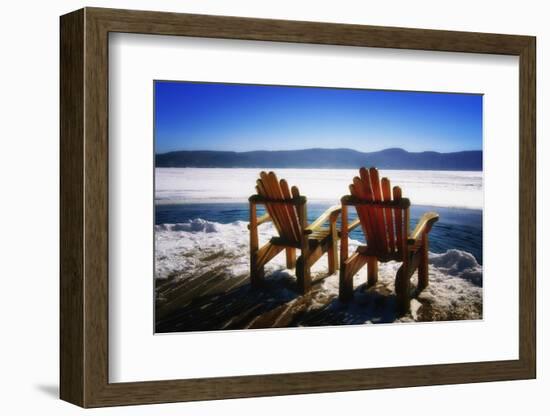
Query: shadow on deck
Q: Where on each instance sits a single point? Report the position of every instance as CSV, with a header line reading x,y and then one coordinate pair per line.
x,y
214,302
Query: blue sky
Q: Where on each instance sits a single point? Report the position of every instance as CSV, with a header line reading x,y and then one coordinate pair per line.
x,y
202,116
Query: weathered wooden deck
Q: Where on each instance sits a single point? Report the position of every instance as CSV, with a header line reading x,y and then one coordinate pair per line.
x,y
215,302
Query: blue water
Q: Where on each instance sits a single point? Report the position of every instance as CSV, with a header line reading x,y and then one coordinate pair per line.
x,y
456,229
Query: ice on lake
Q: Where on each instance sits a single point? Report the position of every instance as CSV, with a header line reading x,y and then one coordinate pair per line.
x,y
456,189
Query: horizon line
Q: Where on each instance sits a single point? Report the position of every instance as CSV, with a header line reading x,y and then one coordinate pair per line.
x,y
316,148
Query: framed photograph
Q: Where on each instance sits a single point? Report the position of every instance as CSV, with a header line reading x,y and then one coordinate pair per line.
x,y
255,207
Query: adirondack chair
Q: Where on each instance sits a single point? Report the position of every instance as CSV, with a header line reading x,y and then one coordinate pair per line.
x,y
384,220
287,209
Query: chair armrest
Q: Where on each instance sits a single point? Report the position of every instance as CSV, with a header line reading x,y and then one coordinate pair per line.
x,y
351,226
424,226
331,213
354,224
264,218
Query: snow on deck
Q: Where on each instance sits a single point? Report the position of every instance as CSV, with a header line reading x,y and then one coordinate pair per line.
x,y
202,283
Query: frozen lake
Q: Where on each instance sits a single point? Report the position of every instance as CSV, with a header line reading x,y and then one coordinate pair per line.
x,y
214,185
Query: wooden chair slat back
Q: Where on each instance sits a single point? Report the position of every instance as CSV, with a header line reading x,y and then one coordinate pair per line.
x,y
284,216
383,226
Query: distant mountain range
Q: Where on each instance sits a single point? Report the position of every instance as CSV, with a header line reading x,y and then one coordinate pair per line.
x,y
323,158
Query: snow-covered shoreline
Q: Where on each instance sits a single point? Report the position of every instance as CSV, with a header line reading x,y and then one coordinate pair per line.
x,y
198,246
196,250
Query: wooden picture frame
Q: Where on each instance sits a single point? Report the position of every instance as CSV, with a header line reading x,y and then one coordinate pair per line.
x,y
84,207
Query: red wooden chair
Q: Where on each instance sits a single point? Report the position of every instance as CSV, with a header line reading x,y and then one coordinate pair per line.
x,y
384,218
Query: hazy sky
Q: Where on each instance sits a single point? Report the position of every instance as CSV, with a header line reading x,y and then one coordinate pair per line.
x,y
199,116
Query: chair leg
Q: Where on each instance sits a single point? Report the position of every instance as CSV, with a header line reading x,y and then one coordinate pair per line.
x,y
423,276
290,258
333,248
256,273
259,259
345,293
303,275
402,291
372,268
348,269
332,253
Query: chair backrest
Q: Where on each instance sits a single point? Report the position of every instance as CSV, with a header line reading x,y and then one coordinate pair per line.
x,y
384,215
282,205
